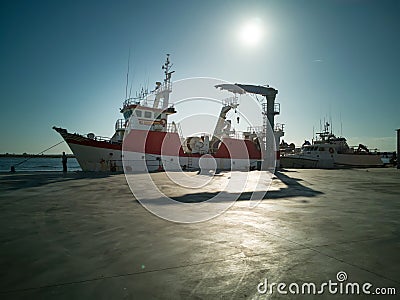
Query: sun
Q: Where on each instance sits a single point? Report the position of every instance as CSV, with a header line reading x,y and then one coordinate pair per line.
x,y
251,32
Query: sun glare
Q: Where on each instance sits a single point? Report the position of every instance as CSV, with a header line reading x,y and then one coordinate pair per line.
x,y
251,32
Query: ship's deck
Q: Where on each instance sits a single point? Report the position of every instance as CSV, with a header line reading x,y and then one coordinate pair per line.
x,y
84,236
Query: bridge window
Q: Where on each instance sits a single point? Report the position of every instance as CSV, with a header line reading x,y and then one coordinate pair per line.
x,y
138,113
127,114
147,114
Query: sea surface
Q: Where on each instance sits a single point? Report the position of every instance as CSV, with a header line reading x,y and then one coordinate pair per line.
x,y
37,164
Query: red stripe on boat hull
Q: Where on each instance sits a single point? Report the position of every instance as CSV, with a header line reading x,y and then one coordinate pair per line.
x,y
94,143
167,143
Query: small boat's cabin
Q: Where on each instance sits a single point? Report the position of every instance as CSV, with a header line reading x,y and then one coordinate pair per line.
x,y
319,149
314,148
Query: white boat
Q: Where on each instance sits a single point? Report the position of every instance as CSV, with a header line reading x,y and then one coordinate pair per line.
x,y
329,151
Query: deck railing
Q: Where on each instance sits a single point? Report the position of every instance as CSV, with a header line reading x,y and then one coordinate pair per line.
x,y
279,127
144,97
230,101
132,101
255,129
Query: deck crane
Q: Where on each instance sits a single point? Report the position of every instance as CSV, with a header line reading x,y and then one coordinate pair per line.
x,y
269,110
223,127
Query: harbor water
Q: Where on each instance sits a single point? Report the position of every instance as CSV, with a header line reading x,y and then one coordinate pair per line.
x,y
37,164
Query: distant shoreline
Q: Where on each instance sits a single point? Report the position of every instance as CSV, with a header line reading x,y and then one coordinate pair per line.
x,y
27,155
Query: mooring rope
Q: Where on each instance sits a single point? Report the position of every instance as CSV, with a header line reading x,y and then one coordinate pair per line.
x,y
20,163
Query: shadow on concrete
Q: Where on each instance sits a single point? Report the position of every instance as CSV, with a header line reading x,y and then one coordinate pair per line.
x,y
294,189
19,181
287,170
22,180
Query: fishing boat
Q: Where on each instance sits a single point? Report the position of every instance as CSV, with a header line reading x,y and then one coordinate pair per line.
x,y
145,140
328,151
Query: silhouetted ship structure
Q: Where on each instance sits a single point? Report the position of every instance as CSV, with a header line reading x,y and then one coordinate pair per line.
x,y
145,141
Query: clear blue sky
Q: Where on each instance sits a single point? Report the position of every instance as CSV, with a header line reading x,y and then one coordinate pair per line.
x,y
64,62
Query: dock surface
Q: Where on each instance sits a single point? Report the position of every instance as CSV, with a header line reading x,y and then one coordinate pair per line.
x,y
84,236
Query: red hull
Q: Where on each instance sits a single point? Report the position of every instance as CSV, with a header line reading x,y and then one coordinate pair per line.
x,y
169,144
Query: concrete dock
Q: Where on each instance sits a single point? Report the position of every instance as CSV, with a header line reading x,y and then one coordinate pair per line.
x,y
84,236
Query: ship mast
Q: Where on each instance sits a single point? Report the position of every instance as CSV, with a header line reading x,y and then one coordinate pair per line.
x,y
166,67
163,91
